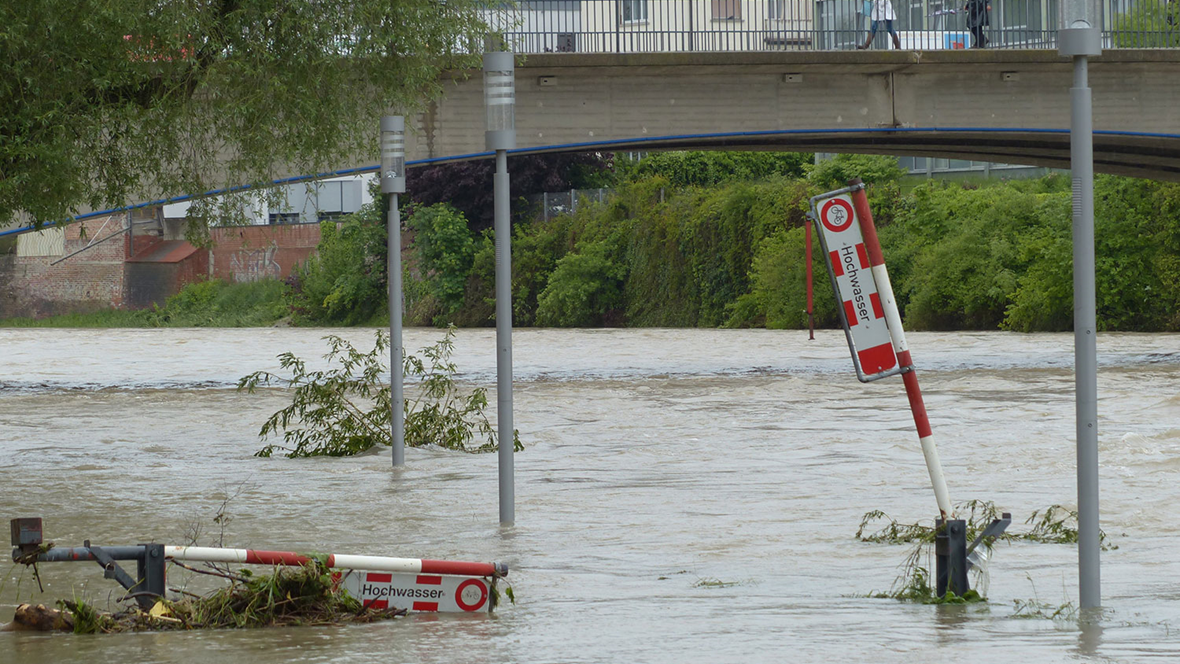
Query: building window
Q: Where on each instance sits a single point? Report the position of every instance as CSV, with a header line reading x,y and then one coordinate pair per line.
x,y
330,215
724,10
777,10
283,218
634,10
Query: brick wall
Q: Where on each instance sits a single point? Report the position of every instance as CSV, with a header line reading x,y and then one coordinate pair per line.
x,y
91,280
250,253
102,277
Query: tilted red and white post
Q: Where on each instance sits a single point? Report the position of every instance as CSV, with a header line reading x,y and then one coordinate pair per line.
x,y
909,376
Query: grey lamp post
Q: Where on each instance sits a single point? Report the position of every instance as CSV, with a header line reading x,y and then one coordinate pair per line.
x,y
393,182
500,99
1080,37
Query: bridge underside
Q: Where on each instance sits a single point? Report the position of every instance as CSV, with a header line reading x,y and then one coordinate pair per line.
x,y
999,106
1152,156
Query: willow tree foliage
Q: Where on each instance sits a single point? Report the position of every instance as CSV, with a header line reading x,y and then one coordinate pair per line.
x,y
106,101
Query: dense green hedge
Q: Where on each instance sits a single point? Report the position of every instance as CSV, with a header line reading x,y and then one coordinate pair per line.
x,y
996,255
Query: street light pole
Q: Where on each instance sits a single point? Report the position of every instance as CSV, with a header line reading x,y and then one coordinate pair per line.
x,y
1079,38
500,99
393,182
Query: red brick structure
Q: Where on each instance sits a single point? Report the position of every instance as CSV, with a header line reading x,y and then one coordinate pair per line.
x,y
114,273
160,270
250,253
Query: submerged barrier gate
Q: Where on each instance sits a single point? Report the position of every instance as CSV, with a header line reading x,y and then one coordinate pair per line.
x,y
378,582
872,325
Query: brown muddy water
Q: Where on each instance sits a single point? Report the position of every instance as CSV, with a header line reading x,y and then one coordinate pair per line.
x,y
658,463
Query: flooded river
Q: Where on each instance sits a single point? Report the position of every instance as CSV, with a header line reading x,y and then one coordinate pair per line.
x,y
685,495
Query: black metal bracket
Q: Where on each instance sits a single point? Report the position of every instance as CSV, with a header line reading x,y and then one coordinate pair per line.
x,y
950,557
111,570
151,571
951,551
994,529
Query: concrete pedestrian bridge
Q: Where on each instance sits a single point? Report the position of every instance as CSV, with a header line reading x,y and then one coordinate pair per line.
x,y
987,105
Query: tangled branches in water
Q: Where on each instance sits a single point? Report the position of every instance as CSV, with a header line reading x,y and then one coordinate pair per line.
x,y
345,410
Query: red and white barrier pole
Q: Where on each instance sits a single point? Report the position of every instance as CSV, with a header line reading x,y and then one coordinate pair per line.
x,y
335,561
807,261
860,203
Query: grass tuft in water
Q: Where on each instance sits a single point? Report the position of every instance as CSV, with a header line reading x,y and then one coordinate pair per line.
x,y
913,584
710,582
88,620
1035,609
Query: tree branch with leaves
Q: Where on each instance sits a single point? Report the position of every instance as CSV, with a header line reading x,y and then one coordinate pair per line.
x,y
345,409
106,101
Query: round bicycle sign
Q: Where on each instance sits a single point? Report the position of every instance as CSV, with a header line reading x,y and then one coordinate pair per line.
x,y
836,215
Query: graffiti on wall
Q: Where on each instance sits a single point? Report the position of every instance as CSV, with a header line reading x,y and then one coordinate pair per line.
x,y
255,264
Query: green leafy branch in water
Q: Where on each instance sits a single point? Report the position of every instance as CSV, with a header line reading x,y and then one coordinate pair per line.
x,y
979,514
345,409
1055,525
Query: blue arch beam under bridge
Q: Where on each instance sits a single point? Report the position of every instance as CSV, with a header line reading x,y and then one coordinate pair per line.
x,y
1154,156
1137,154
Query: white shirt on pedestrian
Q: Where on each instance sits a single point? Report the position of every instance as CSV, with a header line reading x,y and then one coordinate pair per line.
x,y
883,11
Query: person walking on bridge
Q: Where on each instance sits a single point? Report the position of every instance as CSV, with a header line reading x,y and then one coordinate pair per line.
x,y
882,11
977,19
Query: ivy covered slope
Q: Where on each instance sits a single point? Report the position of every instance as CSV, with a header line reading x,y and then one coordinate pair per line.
x,y
682,243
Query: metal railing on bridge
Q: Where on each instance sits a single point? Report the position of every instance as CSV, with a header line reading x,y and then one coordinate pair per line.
x,y
680,26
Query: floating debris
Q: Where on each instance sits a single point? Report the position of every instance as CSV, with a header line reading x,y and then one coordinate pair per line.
x,y
306,595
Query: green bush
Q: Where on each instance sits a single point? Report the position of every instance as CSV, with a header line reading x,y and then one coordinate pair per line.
x,y
835,173
216,303
1148,25
212,303
345,409
778,293
343,283
961,255
585,286
445,250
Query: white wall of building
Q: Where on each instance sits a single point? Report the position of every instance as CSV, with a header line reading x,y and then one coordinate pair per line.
x,y
304,203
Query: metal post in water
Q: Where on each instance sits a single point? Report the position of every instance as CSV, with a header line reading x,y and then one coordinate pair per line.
x,y
500,100
393,182
504,342
1080,38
